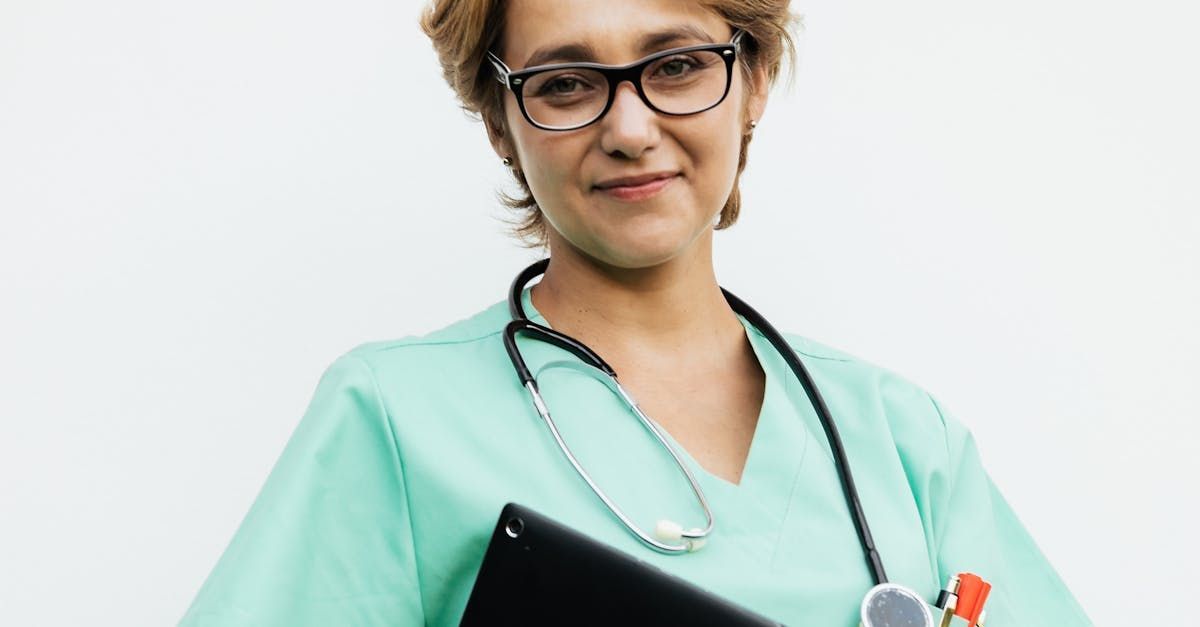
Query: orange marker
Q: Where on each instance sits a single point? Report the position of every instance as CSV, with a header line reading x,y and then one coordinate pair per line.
x,y
972,594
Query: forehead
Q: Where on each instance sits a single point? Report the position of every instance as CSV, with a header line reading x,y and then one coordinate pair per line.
x,y
615,31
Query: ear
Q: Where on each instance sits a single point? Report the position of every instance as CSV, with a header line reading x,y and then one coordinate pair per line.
x,y
758,90
498,137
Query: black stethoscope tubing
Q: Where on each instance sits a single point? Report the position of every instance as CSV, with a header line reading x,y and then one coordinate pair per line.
x,y
521,324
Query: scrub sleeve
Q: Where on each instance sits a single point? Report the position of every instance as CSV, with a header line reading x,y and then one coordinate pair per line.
x,y
328,541
975,530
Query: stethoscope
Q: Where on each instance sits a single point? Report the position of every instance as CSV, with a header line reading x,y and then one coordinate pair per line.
x,y
671,537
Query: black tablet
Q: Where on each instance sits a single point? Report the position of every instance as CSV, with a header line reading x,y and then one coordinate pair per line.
x,y
539,572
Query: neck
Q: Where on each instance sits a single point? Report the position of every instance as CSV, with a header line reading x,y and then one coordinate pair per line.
x,y
671,306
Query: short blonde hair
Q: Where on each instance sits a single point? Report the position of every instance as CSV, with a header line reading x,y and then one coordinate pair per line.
x,y
462,31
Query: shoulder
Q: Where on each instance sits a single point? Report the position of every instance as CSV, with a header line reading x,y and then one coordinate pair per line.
x,y
418,374
869,396
851,370
461,337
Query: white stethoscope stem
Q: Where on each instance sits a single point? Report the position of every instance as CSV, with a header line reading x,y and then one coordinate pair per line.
x,y
672,538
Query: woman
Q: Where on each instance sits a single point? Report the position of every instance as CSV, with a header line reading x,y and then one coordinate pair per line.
x,y
381,507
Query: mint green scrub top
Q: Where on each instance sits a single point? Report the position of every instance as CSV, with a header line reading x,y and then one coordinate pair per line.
x,y
383,502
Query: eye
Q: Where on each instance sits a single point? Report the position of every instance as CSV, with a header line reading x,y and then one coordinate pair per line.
x,y
675,67
562,85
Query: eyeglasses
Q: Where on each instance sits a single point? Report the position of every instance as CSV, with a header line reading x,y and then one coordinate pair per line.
x,y
569,96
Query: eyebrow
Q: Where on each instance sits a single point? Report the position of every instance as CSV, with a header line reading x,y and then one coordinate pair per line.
x,y
577,52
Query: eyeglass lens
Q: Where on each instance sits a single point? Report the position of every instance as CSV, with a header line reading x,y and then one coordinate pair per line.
x,y
678,84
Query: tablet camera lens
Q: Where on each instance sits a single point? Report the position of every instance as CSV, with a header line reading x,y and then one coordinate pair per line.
x,y
514,527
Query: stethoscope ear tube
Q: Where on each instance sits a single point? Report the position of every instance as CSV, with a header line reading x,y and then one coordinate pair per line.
x,y
565,342
874,562
516,310
522,324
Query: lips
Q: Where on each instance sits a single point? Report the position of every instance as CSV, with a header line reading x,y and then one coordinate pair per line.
x,y
634,181
636,188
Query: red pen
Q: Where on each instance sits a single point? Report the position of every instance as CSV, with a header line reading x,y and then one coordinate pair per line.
x,y
972,594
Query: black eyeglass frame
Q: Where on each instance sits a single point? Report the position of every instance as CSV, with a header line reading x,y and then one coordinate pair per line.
x,y
615,75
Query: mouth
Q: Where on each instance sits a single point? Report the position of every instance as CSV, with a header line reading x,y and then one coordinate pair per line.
x,y
637,187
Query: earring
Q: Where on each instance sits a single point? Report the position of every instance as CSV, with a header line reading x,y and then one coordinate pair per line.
x,y
507,161
753,123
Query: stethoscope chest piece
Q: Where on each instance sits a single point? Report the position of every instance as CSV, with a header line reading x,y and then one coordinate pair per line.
x,y
893,605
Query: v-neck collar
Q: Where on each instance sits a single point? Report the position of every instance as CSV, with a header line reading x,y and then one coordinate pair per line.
x,y
776,451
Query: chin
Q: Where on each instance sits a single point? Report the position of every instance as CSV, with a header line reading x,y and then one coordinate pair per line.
x,y
641,248
638,235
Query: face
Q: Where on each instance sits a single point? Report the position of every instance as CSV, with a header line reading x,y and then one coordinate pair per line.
x,y
569,171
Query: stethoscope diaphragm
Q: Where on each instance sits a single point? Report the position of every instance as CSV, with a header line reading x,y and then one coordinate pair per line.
x,y
894,605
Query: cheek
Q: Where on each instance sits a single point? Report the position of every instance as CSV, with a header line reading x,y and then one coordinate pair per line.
x,y
552,164
716,154
550,170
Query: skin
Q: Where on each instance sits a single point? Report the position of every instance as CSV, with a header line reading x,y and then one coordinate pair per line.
x,y
635,279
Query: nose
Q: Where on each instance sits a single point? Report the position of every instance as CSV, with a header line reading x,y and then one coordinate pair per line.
x,y
630,127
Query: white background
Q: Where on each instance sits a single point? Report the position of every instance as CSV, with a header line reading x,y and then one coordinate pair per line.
x,y
203,204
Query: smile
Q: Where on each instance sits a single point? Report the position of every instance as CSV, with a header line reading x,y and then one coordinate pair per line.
x,y
641,191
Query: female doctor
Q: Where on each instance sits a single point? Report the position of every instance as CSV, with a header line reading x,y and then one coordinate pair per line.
x,y
381,506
